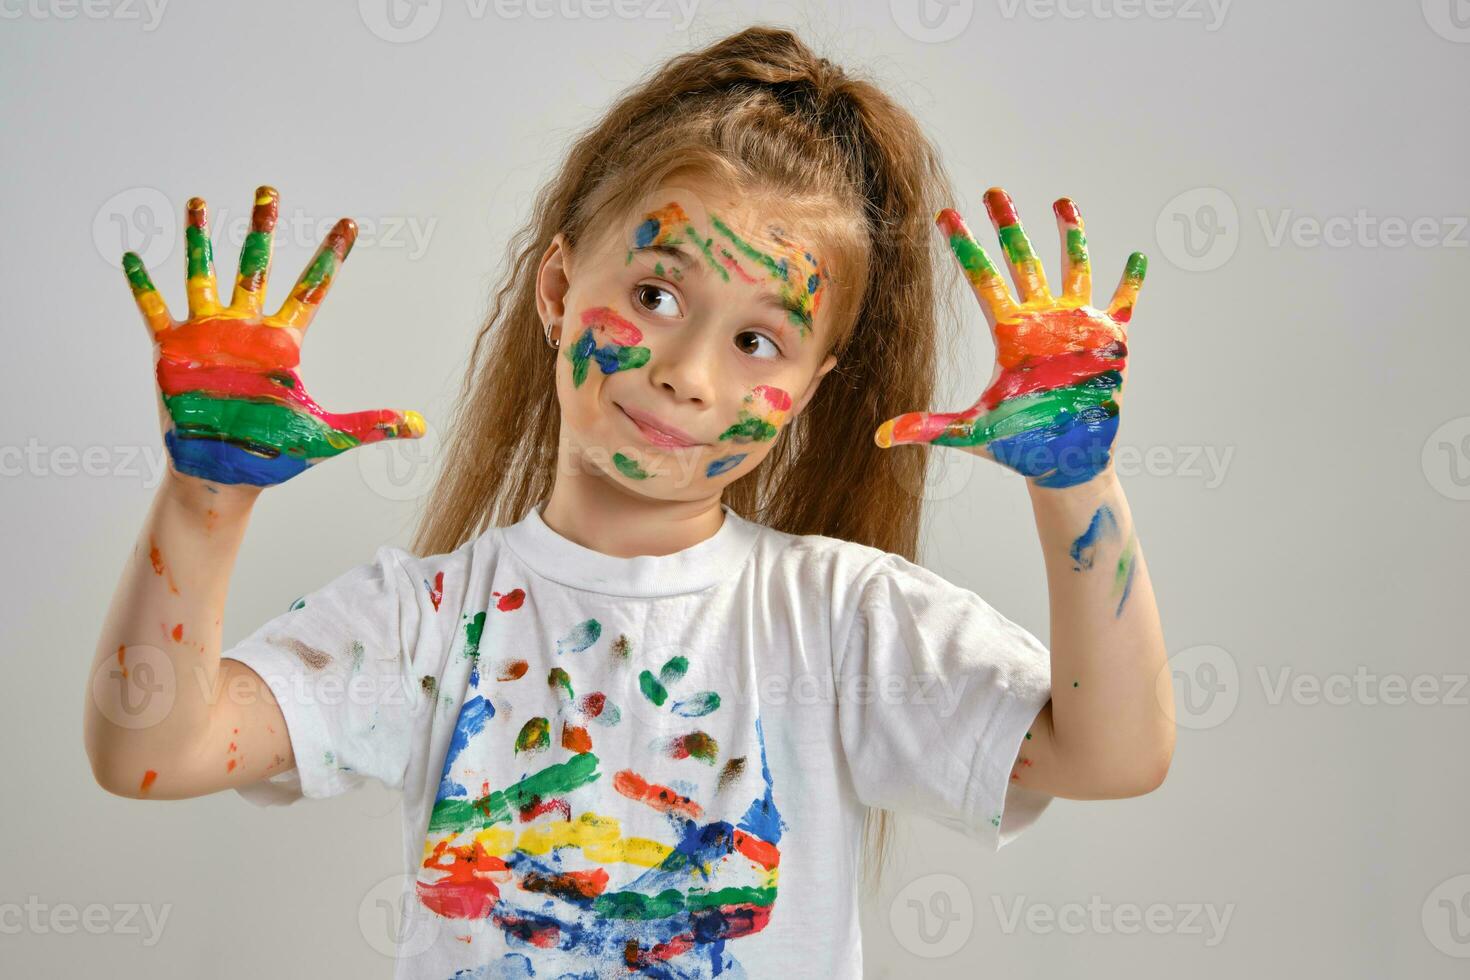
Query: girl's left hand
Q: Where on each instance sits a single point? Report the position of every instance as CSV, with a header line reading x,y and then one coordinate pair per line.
x,y
1051,409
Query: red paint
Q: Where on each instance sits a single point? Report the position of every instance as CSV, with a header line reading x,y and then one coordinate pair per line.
x,y
660,798
230,766
512,600
778,398
156,557
605,320
178,633
436,594
148,778
231,340
729,262
553,805
1053,372
1066,209
513,670
593,704
1002,209
575,738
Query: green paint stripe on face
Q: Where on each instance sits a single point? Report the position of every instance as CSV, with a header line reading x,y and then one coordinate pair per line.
x,y
703,244
750,429
775,268
255,256
137,275
629,467
972,257
265,424
1016,244
201,252
1077,246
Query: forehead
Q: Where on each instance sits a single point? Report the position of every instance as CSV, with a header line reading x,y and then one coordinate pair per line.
x,y
752,243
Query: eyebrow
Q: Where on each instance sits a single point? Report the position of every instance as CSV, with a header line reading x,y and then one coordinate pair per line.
x,y
773,300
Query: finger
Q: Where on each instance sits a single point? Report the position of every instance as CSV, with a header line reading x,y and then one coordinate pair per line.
x,y
150,304
255,255
1025,267
201,285
1076,267
921,427
1121,308
301,306
985,278
377,424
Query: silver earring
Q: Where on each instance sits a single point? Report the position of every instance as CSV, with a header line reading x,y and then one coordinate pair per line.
x,y
556,344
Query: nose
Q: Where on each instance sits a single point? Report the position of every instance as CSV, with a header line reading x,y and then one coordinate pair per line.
x,y
685,368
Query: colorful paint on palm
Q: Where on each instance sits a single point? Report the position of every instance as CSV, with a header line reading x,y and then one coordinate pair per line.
x,y
240,414
607,340
798,271
1051,409
549,859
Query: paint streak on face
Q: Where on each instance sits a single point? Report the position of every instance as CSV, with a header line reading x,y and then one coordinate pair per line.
x,y
724,464
762,414
610,341
798,271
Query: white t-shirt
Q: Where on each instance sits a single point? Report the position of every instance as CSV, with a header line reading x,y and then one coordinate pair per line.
x,y
651,766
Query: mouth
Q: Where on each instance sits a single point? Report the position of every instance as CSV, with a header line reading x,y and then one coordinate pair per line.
x,y
658,432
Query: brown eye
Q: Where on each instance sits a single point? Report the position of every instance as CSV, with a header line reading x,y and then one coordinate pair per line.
x,y
647,295
757,344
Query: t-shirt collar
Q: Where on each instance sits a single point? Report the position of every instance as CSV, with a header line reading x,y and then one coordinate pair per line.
x,y
697,567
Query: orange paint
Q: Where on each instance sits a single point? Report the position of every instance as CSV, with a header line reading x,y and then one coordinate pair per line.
x,y
178,633
148,778
120,655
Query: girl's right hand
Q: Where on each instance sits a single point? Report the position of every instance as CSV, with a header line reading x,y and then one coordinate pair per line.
x,y
233,409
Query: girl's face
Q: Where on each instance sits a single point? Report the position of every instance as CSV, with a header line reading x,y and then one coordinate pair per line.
x,y
691,333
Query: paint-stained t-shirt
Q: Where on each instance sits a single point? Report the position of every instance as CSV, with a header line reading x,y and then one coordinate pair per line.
x,y
650,766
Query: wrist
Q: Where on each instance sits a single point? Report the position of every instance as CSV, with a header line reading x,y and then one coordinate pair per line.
x,y
199,497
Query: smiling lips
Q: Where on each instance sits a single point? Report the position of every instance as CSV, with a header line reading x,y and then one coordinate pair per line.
x,y
658,432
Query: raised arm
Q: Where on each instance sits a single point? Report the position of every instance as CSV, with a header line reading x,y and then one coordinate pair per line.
x,y
165,718
1050,413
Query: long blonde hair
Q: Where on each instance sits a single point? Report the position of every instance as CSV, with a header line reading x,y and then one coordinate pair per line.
x,y
761,110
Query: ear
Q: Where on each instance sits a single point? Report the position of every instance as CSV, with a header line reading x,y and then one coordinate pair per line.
x,y
811,389
553,281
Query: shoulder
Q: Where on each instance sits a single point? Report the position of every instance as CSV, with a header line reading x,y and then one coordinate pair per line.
x,y
843,568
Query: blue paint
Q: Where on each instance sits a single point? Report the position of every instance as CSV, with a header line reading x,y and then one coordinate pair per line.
x,y
1084,548
472,718
226,462
763,819
724,463
1069,451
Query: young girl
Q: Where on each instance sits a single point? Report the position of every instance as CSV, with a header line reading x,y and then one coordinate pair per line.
x,y
661,641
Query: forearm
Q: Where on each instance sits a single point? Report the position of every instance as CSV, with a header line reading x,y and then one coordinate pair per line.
x,y
1111,711
155,670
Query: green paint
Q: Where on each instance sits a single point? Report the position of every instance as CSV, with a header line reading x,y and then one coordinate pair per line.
x,y
671,902
460,816
972,257
1137,266
200,252
255,258
701,746
703,244
269,427
629,467
750,429
474,628
777,269
1016,244
321,268
561,681
1027,412
137,275
674,670
534,736
1076,246
651,688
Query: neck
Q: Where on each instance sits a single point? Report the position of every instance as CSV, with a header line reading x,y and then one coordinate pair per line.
x,y
592,509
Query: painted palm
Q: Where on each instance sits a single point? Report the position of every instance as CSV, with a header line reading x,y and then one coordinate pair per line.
x,y
1051,409
586,866
236,410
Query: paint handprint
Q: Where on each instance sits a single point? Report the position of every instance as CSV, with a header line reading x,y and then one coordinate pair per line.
x,y
237,411
1051,409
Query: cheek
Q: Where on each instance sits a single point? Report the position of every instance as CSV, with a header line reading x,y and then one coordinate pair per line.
x,y
604,342
762,412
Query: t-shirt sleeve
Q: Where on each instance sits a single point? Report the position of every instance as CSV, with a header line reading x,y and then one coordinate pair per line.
x,y
340,663
936,690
